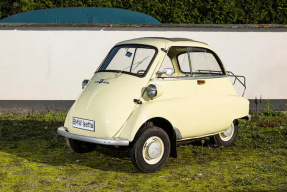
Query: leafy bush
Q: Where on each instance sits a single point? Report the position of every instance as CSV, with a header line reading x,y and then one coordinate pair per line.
x,y
167,11
267,130
269,118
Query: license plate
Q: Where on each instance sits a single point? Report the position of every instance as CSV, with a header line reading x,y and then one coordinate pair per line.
x,y
85,124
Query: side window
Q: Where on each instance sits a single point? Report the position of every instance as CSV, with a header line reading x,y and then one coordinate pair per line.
x,y
201,61
183,62
167,63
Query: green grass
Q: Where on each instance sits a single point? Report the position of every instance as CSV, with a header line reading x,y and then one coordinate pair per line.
x,y
34,158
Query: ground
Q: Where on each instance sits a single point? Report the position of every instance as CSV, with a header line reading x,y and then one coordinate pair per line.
x,y
34,158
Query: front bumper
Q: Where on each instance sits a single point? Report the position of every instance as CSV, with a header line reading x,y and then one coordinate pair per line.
x,y
115,141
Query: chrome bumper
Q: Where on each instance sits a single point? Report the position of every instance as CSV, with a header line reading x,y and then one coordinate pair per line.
x,y
247,117
103,141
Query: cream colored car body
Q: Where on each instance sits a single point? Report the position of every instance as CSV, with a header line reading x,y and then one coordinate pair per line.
x,y
192,109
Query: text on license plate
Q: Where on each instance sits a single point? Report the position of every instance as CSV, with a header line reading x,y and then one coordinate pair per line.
x,y
85,124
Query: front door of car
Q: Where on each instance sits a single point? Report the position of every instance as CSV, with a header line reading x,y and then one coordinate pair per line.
x,y
108,99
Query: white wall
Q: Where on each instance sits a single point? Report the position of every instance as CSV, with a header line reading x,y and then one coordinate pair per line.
x,y
51,64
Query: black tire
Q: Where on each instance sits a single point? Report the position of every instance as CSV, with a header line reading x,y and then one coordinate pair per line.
x,y
152,141
80,146
225,139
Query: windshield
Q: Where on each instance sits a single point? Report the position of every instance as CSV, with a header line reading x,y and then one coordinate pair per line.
x,y
130,59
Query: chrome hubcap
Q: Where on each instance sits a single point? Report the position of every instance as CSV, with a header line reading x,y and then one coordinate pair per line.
x,y
228,132
153,150
227,135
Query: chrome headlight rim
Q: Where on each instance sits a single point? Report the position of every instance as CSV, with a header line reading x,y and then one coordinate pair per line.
x,y
151,91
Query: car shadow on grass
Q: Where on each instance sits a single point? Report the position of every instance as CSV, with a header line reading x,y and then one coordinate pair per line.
x,y
38,141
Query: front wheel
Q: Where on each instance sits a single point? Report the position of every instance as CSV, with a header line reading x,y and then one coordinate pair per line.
x,y
150,150
227,138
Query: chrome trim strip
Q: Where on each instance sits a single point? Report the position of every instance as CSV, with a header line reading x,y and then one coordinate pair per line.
x,y
102,81
186,78
103,141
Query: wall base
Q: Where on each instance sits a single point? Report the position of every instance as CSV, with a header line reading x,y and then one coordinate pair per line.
x,y
257,106
44,106
34,106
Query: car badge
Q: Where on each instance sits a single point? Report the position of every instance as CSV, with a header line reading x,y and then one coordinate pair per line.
x,y
102,81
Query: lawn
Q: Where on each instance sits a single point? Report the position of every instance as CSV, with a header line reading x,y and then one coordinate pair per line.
x,y
34,158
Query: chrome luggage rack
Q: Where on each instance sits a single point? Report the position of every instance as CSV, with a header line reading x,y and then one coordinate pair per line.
x,y
236,77
229,74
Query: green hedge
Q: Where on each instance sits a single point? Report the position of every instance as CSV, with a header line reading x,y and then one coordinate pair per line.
x,y
173,11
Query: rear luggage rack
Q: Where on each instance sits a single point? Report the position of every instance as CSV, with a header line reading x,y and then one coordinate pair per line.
x,y
236,77
229,74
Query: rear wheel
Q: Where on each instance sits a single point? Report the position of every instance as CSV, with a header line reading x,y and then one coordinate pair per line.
x,y
150,150
80,146
228,137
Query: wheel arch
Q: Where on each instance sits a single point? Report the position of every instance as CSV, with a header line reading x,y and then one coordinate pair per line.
x,y
166,126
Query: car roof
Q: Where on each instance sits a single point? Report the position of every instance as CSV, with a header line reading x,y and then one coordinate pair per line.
x,y
164,42
174,39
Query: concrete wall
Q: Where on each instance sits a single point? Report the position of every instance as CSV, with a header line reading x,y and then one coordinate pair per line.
x,y
50,63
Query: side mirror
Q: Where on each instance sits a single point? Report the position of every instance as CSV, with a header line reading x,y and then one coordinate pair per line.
x,y
84,83
166,71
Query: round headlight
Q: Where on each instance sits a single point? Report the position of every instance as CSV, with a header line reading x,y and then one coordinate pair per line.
x,y
84,83
151,91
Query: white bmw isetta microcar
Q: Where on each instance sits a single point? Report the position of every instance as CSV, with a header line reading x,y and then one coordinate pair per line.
x,y
149,94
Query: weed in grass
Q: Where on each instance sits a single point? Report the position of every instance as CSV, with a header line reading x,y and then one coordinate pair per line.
x,y
242,181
